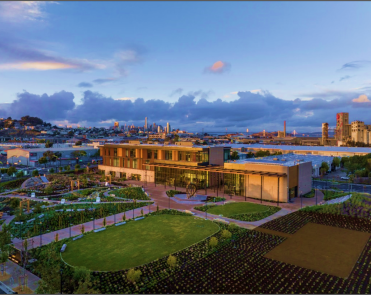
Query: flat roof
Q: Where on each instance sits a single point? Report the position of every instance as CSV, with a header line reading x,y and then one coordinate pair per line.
x,y
287,160
165,145
55,149
303,148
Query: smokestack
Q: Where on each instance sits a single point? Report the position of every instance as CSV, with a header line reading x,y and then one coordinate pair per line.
x,y
284,128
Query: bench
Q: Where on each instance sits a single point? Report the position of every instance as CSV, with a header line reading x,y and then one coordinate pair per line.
x,y
189,212
64,247
120,223
69,210
31,220
139,218
99,229
59,210
78,237
80,210
41,216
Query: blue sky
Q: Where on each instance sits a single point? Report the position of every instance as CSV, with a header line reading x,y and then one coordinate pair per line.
x,y
219,65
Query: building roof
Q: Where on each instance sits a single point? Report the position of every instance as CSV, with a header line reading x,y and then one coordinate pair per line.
x,y
154,145
287,160
56,149
303,148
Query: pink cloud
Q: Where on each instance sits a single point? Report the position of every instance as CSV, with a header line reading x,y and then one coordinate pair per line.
x,y
218,67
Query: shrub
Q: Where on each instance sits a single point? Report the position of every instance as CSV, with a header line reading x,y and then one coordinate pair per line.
x,y
171,261
49,190
35,173
56,239
133,275
51,170
82,229
213,242
77,166
104,221
124,217
226,234
14,203
11,171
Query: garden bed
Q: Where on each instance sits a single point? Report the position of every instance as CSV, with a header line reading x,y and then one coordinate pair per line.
x,y
131,193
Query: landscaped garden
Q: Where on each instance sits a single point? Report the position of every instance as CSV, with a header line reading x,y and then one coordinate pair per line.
x,y
44,220
332,194
137,243
131,193
243,211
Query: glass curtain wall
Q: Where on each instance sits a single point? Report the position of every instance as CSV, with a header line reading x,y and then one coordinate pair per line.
x,y
234,184
181,177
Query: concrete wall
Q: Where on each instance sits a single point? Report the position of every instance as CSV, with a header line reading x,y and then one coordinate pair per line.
x,y
129,172
216,156
305,178
269,189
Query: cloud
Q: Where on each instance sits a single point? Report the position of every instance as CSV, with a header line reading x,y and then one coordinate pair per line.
x,y
104,81
332,82
256,111
85,85
21,11
201,94
361,99
218,67
353,65
177,91
20,55
345,78
123,59
53,107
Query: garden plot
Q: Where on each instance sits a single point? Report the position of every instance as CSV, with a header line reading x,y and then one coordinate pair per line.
x,y
323,248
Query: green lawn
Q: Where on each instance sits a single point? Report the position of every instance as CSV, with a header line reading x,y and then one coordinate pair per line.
x,y
137,242
230,209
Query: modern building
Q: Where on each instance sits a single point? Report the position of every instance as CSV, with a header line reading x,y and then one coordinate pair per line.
x,y
30,157
342,126
145,124
206,167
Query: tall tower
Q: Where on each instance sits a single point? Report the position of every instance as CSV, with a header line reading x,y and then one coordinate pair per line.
x,y
167,127
324,133
284,128
158,129
145,124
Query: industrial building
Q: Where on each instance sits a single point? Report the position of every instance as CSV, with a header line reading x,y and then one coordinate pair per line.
x,y
357,131
207,167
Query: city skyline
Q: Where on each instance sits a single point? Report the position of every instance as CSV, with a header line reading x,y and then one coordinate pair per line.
x,y
227,68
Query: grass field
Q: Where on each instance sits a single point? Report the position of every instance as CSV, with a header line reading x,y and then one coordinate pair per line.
x,y
137,243
230,209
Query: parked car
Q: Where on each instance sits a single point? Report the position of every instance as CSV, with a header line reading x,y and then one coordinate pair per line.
x,y
344,178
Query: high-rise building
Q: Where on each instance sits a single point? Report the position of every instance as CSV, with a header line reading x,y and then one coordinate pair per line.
x,y
168,127
116,125
154,128
342,126
324,133
358,128
158,129
145,124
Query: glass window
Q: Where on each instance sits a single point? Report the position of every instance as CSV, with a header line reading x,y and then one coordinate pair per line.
x,y
115,152
115,162
149,154
188,157
135,165
155,154
168,155
147,167
132,153
179,156
227,155
127,152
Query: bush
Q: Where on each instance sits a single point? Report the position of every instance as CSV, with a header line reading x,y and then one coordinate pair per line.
x,y
35,173
213,242
14,203
11,171
226,234
171,261
77,166
51,170
133,275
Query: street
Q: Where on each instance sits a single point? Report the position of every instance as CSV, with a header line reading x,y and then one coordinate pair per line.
x,y
351,187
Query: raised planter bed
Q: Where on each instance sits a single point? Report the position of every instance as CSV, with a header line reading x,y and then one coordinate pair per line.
x,y
120,223
78,237
99,229
139,218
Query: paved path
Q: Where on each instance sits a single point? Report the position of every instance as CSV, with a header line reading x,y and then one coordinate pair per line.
x,y
338,200
15,271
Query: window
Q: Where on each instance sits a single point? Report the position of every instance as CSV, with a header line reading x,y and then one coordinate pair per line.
x,y
149,154
179,156
115,152
168,155
227,155
132,153
147,167
116,162
135,164
155,154
188,157
202,157
127,152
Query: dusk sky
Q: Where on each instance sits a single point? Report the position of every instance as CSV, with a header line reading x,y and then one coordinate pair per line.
x,y
211,65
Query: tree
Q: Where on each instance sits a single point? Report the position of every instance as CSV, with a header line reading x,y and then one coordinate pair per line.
x,y
79,142
82,229
35,173
51,170
11,171
133,275
176,137
213,242
124,217
104,221
49,270
58,156
85,285
43,160
171,261
68,168
5,240
77,166
226,234
20,174
48,144
262,154
234,155
336,162
324,165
